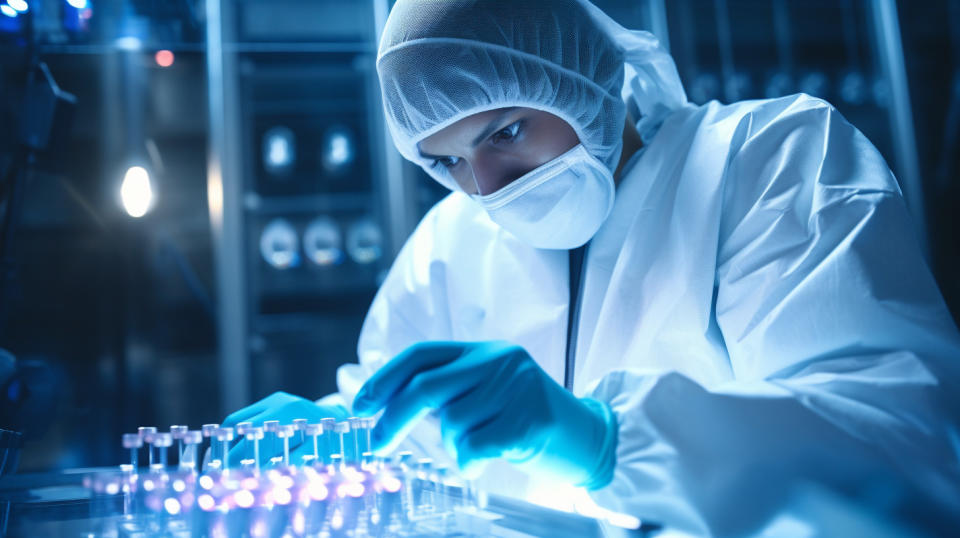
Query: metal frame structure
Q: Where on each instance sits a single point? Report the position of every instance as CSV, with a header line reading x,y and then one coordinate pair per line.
x,y
400,203
889,47
227,189
225,204
656,13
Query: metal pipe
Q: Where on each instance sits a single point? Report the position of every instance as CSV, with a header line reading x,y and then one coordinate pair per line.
x,y
224,198
889,47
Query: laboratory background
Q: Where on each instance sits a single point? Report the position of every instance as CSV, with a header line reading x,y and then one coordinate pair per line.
x,y
200,198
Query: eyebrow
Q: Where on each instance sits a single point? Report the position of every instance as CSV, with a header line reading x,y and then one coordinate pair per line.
x,y
491,128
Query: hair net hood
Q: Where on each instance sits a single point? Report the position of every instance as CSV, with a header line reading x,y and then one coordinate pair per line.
x,y
441,61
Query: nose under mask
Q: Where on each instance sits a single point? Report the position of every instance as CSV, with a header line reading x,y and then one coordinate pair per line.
x,y
559,205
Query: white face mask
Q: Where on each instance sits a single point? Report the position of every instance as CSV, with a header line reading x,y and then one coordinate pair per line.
x,y
559,205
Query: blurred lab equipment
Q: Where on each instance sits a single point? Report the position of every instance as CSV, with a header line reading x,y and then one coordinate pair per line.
x,y
321,186
336,487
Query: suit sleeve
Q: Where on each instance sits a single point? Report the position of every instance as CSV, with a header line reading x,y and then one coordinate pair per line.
x,y
843,352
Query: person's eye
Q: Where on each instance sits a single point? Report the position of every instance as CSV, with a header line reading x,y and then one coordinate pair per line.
x,y
508,133
448,162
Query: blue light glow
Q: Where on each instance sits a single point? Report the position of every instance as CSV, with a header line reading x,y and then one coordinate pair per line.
x,y
19,5
279,150
129,43
280,245
338,149
79,4
8,11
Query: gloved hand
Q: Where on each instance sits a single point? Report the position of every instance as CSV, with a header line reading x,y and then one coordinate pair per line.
x,y
285,408
493,401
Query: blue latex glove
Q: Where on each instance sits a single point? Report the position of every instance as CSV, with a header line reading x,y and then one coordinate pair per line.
x,y
493,401
285,408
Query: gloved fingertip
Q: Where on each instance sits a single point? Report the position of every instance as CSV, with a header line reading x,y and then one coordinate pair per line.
x,y
376,437
379,440
367,407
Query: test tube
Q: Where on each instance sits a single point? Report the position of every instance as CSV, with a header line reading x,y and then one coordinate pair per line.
x,y
300,424
133,442
329,437
405,460
243,428
188,458
367,461
443,494
146,434
209,432
471,496
368,424
406,498
255,435
270,428
425,504
128,471
356,427
444,504
286,432
314,431
224,436
342,428
162,442
177,432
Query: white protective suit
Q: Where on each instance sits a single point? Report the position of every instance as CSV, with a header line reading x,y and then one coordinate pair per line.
x,y
755,310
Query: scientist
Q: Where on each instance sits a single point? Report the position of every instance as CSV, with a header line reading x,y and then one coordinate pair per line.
x,y
681,309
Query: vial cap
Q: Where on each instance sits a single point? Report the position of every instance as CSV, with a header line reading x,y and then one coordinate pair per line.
x,y
209,430
244,427
287,430
178,431
132,440
254,434
342,427
314,429
328,424
162,440
300,424
225,434
271,426
193,437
